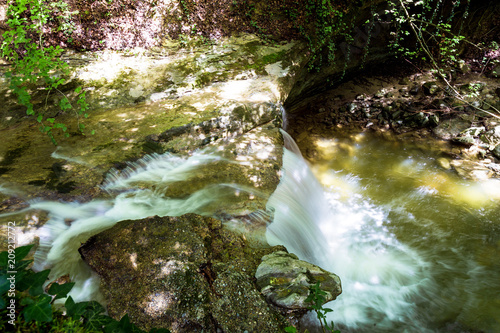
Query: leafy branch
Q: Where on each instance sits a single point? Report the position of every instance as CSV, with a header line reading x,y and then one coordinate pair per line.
x,y
318,298
447,49
32,63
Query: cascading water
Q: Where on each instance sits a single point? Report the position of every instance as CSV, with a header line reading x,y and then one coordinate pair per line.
x,y
403,266
348,239
144,185
415,251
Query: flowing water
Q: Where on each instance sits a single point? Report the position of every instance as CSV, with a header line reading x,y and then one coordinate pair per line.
x,y
416,247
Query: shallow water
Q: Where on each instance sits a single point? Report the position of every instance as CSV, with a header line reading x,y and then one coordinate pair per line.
x,y
417,248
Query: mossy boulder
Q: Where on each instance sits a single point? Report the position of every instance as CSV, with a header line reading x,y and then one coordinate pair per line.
x,y
285,280
185,273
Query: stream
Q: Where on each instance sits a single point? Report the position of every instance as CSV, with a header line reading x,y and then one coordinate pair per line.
x,y
416,246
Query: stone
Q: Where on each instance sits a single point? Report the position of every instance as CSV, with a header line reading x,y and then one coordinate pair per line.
x,y
285,280
352,107
444,163
496,151
463,67
430,88
184,273
472,170
136,92
380,93
451,128
434,120
492,137
469,135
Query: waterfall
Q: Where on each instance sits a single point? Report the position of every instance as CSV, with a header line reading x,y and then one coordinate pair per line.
x,y
381,277
401,269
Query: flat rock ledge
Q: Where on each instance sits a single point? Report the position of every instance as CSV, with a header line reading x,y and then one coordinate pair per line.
x,y
285,280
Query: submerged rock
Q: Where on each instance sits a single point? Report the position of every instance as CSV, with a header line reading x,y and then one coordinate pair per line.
x,y
285,280
185,273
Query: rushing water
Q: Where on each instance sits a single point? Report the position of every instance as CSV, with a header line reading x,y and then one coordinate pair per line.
x,y
139,191
416,247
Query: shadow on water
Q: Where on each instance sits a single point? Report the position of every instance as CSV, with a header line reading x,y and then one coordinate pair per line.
x,y
10,157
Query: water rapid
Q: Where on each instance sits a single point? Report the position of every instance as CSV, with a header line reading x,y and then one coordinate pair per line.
x,y
139,191
414,246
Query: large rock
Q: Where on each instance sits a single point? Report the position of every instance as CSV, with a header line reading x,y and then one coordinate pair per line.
x,y
286,281
185,273
172,99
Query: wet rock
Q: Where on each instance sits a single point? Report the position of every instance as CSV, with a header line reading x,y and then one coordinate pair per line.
x,y
444,163
471,169
185,273
496,151
434,120
451,128
430,88
492,137
239,307
420,119
468,136
285,280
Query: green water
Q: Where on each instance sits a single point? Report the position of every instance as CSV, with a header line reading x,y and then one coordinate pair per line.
x,y
396,198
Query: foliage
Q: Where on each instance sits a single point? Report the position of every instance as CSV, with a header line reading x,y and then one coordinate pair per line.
x,y
34,64
317,298
34,308
321,23
437,44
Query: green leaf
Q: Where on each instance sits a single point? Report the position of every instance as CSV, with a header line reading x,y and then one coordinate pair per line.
x,y
51,120
39,118
22,264
75,310
60,290
78,90
34,282
159,330
39,310
290,329
4,284
93,318
122,326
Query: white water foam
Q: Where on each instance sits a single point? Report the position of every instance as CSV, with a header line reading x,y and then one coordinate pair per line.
x,y
380,276
142,185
